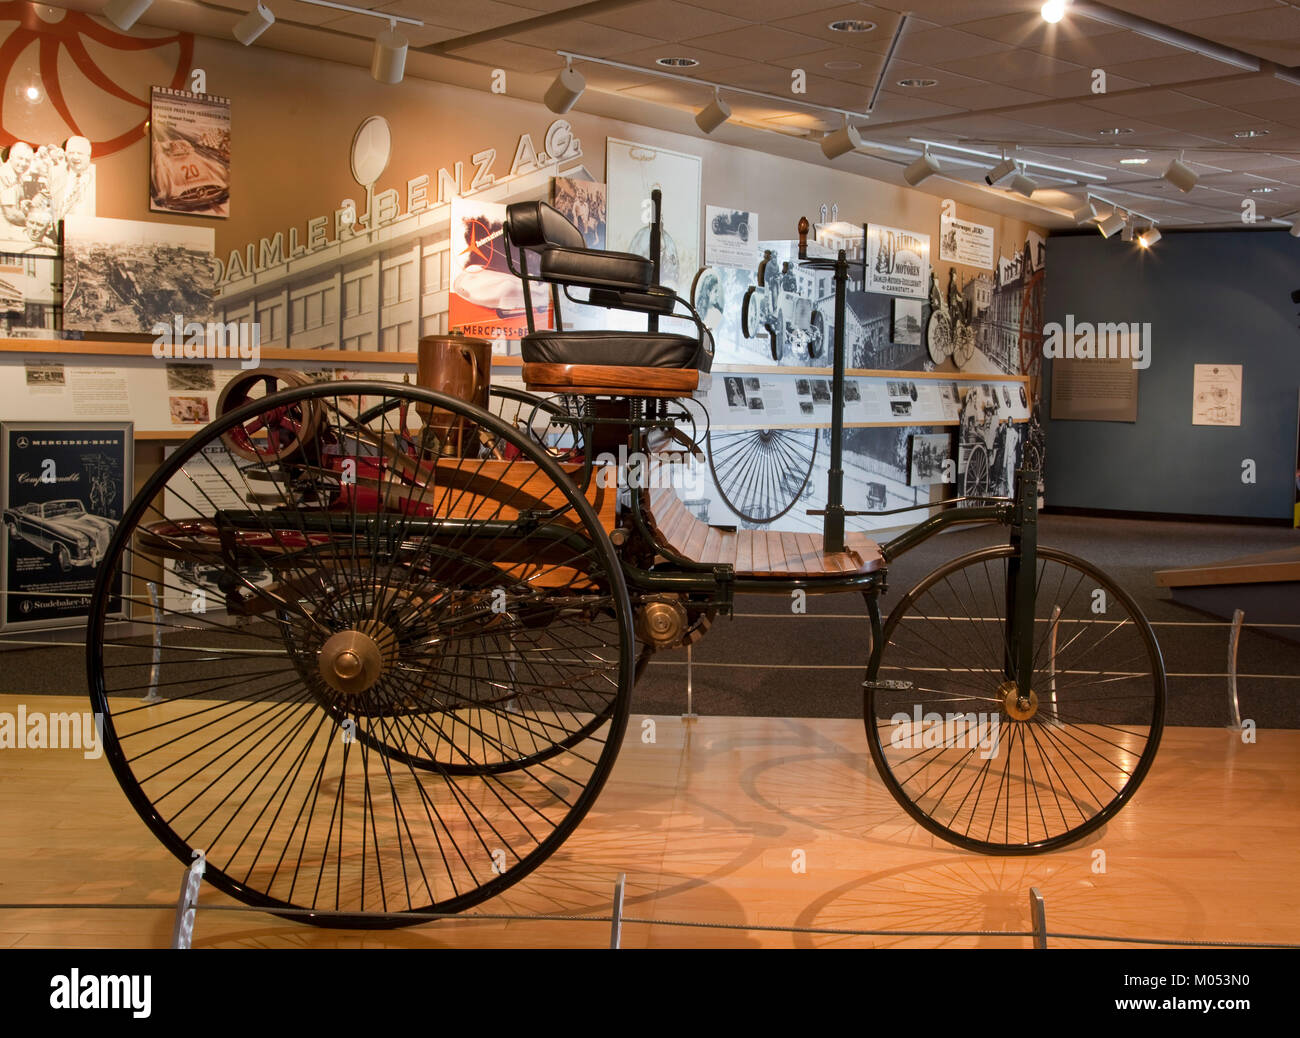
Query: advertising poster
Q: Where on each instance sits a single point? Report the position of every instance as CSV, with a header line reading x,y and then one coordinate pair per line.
x,y
583,203
633,171
189,156
1216,394
64,494
730,237
487,301
961,241
898,262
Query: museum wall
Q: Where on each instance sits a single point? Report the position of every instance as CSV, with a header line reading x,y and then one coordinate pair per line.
x,y
1210,298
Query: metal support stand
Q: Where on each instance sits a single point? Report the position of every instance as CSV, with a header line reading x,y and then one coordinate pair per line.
x,y
1038,913
1051,662
1234,639
616,924
156,667
690,714
187,905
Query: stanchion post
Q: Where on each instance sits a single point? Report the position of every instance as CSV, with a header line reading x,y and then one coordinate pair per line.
x,y
616,923
187,905
690,714
156,666
1038,913
1234,640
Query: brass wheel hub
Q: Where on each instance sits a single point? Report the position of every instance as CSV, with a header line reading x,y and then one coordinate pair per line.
x,y
1018,709
352,661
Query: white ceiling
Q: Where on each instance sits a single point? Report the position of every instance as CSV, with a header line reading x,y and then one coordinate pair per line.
x,y
1004,78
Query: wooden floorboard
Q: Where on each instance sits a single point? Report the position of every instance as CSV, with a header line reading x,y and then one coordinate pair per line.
x,y
706,822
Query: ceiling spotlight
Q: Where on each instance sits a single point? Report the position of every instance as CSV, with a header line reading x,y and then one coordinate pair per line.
x,y
1084,214
924,167
1295,228
388,62
1262,190
842,141
851,25
253,24
1133,162
710,118
1181,175
125,13
1023,185
918,84
1114,222
1053,11
1127,233
676,62
1001,171
1149,237
1243,135
1114,131
563,94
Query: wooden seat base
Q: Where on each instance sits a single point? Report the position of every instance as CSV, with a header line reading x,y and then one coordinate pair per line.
x,y
755,553
611,380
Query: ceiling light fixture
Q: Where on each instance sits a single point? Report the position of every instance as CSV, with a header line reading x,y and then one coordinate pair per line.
x,y
125,13
1245,135
388,62
841,141
1114,131
714,114
1001,171
1295,228
563,94
676,62
1181,175
1053,11
1023,185
1149,237
851,25
1114,222
253,24
1262,190
1084,214
918,84
922,169
1127,233
1133,162
1077,175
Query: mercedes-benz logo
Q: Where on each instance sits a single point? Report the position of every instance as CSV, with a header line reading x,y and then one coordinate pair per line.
x,y
371,147
23,443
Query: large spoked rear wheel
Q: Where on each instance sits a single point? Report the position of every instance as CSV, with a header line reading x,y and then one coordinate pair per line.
x,y
964,756
395,667
761,473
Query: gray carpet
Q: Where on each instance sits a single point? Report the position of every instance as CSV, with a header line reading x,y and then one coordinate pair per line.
x,y
769,662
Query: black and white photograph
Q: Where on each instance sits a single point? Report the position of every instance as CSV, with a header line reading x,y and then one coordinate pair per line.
x,y
906,326
191,378
821,390
805,407
802,387
929,457
730,237
583,202
901,408
756,403
39,186
735,391
752,385
41,374
128,275
852,393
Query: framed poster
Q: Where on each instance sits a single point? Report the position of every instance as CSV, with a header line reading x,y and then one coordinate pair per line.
x,y
632,171
487,300
583,203
1216,394
970,244
189,153
730,237
64,492
898,262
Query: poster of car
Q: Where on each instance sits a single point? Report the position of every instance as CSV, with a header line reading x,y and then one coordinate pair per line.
x,y
633,171
961,241
730,237
898,262
64,492
486,299
583,203
189,153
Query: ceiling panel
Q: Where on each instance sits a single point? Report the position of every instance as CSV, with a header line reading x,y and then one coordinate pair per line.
x,y
668,20
760,43
817,24
1273,33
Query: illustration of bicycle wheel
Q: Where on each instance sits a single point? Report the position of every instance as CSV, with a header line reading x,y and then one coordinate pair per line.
x,y
938,338
963,346
761,473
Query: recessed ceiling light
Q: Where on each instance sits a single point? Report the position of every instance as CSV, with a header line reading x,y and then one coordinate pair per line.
x,y
676,62
918,84
1114,131
1262,190
1133,162
851,25
843,66
1247,134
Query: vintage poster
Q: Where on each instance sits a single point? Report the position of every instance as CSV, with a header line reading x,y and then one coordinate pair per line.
x,y
128,275
64,494
633,171
898,262
1216,394
487,300
189,160
970,244
730,237
583,203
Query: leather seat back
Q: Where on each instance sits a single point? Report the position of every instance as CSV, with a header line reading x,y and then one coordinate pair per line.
x,y
536,225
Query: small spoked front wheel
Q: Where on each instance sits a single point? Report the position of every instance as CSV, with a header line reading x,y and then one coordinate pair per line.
x,y
966,753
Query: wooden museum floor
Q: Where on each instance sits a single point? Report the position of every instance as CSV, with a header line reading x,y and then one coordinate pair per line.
x,y
706,822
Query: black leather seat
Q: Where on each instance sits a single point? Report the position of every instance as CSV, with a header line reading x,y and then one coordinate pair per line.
x,y
627,349
613,280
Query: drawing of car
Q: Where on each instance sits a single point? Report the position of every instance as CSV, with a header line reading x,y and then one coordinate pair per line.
x,y
187,179
735,222
63,529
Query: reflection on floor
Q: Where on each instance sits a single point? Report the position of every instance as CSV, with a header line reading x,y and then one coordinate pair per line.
x,y
708,821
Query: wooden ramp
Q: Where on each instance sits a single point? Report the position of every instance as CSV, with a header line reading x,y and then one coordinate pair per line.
x,y
1266,567
1265,587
